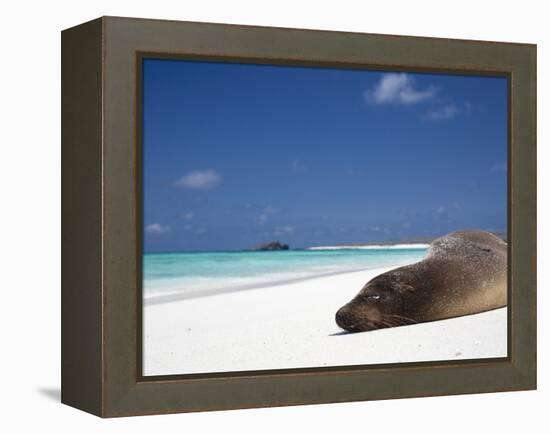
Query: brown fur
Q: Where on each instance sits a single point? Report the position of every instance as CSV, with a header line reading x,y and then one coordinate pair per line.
x,y
463,273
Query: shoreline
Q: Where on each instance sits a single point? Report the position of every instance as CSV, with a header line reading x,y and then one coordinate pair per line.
x,y
178,296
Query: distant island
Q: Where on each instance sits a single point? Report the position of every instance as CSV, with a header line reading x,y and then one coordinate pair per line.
x,y
272,245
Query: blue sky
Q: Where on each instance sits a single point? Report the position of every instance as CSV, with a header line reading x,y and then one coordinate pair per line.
x,y
237,154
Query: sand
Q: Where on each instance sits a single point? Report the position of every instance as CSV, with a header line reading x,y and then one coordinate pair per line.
x,y
292,326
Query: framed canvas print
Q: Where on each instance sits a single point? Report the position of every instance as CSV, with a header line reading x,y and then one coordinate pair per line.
x,y
260,216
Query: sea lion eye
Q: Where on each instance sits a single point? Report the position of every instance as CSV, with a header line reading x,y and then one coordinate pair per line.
x,y
373,297
405,287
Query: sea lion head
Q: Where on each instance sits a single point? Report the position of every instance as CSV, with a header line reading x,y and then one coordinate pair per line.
x,y
383,302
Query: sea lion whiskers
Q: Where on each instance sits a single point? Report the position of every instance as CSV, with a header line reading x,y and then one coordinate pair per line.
x,y
387,324
391,321
379,322
404,318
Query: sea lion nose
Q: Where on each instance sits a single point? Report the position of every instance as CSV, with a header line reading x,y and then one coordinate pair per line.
x,y
343,319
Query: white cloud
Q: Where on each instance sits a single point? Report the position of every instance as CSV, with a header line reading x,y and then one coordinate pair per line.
x,y
200,179
449,111
398,88
157,228
188,215
443,113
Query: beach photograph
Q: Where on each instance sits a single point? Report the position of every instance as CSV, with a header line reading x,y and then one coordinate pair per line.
x,y
305,217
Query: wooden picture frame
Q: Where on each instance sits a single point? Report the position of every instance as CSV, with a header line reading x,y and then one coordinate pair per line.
x,y
101,218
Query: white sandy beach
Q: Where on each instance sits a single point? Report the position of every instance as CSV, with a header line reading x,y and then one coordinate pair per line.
x,y
292,326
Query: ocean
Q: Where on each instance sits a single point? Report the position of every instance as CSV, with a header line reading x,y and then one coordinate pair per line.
x,y
192,274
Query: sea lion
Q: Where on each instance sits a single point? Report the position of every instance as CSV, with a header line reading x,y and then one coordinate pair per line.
x,y
463,273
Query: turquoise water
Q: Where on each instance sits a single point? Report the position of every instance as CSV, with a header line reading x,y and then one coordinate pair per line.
x,y
185,272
